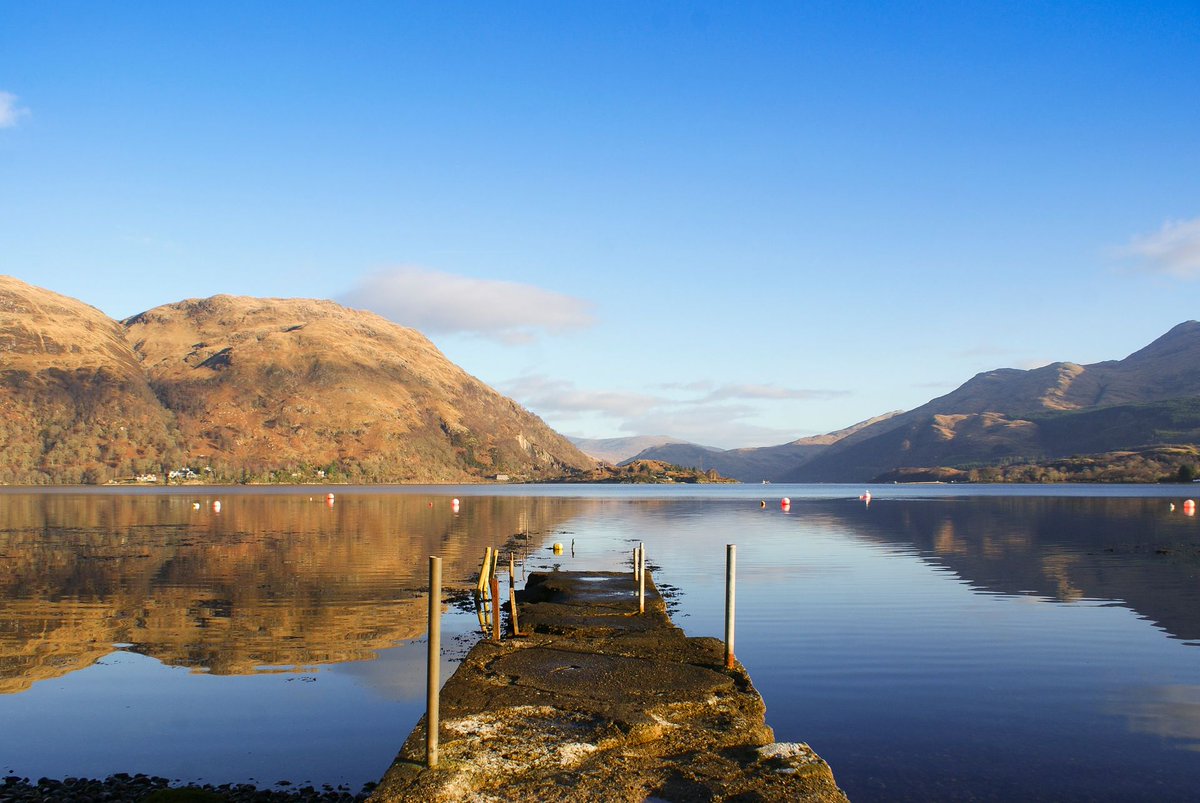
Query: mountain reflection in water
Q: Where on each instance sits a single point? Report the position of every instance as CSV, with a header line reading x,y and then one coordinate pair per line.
x,y
1128,550
942,643
269,581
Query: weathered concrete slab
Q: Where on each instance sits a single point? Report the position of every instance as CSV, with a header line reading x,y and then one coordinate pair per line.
x,y
601,703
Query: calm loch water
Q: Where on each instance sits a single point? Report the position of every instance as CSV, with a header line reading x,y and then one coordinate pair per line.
x,y
942,643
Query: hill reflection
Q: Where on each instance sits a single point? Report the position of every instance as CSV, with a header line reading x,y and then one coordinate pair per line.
x,y
269,581
1135,551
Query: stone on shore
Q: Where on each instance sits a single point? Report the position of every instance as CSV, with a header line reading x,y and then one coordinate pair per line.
x,y
599,703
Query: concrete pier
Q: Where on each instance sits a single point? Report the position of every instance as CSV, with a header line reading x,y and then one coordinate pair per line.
x,y
600,703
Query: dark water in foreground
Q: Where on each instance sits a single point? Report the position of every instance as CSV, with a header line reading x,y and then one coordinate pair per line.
x,y
944,643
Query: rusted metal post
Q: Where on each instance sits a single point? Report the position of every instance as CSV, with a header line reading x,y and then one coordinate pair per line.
x,y
434,670
730,600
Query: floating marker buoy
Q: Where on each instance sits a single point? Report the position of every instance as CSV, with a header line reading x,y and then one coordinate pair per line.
x,y
454,504
1172,507
328,497
217,506
558,549
1189,507
195,505
785,503
763,503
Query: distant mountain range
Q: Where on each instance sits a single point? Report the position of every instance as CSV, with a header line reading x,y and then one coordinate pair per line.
x,y
248,389
237,388
1007,416
617,450
750,464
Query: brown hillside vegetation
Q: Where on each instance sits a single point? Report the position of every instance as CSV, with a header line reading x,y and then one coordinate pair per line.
x,y
74,403
1009,416
253,390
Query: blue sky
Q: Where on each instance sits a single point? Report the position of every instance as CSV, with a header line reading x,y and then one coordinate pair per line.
x,y
736,224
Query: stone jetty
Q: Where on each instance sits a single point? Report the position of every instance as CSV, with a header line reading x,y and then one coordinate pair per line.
x,y
598,703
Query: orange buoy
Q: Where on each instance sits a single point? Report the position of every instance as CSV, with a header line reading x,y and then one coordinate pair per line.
x,y
785,503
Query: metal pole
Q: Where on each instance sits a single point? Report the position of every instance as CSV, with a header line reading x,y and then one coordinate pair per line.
x,y
434,671
730,598
642,578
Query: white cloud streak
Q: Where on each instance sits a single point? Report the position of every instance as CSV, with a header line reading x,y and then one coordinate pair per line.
x,y
10,112
443,303
560,398
722,426
769,393
720,416
1173,250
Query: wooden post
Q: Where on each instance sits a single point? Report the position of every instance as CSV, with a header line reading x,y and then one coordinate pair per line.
x,y
512,571
495,609
481,589
642,578
434,670
485,571
730,599
512,604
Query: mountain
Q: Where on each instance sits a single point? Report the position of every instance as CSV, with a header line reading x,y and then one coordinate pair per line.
x,y
751,464
249,389
614,450
1010,415
75,405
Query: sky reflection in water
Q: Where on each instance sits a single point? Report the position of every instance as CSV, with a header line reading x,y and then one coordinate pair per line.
x,y
933,645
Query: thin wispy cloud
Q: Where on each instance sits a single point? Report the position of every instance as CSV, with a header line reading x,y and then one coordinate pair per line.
x,y
700,385
1173,250
769,392
700,412
444,303
723,426
10,111
561,398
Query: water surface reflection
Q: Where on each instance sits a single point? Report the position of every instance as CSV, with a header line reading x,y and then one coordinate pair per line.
x,y
269,581
938,644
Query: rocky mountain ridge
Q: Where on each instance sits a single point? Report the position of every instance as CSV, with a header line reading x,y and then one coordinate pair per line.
x,y
249,389
1011,415
1129,409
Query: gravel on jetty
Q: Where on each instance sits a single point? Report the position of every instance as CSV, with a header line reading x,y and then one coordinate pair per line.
x,y
122,787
